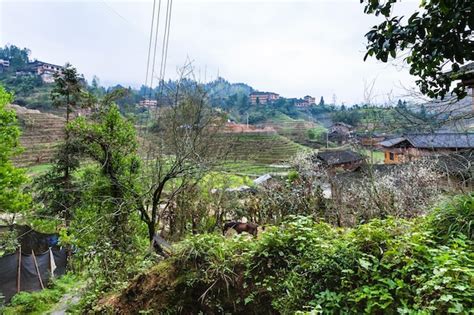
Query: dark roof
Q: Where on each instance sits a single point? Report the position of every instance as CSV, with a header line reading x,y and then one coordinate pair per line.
x,y
40,63
343,124
435,141
263,93
391,142
443,140
339,157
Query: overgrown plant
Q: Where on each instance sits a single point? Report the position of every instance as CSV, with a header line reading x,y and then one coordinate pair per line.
x,y
384,266
183,150
13,199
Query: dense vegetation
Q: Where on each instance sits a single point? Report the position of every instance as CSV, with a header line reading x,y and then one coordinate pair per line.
x,y
430,40
116,194
425,265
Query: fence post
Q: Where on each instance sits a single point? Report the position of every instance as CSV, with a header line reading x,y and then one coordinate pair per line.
x,y
37,269
18,272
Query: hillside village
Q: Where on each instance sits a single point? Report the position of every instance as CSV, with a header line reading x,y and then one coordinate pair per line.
x,y
184,196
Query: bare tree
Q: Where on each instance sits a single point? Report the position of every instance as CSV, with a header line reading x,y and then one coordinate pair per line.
x,y
183,146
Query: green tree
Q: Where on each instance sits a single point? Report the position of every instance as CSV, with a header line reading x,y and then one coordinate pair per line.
x,y
56,188
18,57
12,179
321,101
110,140
438,35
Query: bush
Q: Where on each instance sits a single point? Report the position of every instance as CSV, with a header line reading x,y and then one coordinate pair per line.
x,y
41,301
385,266
454,218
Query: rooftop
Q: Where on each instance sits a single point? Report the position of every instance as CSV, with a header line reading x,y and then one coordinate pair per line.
x,y
342,124
339,157
435,140
263,93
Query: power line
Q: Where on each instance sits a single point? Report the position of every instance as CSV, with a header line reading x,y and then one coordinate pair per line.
x,y
133,26
154,50
150,43
167,39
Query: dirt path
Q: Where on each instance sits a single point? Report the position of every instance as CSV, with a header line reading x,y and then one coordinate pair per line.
x,y
68,300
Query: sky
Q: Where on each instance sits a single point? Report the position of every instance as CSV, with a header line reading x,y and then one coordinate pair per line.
x,y
290,47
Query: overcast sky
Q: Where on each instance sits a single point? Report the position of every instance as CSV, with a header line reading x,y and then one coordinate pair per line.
x,y
290,47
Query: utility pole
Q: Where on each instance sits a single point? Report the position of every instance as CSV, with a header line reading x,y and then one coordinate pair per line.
x,y
247,120
327,139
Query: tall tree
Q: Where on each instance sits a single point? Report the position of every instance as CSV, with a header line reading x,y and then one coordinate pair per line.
x,y
437,37
186,148
17,56
321,101
56,188
12,179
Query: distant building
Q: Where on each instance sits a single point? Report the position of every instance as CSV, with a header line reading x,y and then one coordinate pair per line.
x,y
310,100
305,102
4,64
263,98
148,103
341,159
413,146
341,128
340,132
371,140
45,70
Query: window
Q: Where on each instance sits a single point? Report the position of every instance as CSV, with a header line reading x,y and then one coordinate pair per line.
x,y
392,156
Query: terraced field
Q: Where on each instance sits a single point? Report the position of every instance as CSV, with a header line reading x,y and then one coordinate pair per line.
x,y
41,133
259,152
296,130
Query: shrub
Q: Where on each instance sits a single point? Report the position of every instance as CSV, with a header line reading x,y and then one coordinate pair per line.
x,y
455,217
384,266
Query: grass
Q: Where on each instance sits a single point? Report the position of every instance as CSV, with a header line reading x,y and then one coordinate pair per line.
x,y
223,180
262,148
319,131
35,170
40,302
249,168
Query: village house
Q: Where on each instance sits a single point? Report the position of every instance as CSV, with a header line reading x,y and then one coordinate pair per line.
x,y
371,140
4,64
43,69
305,102
340,132
263,98
340,159
148,103
310,100
46,70
413,146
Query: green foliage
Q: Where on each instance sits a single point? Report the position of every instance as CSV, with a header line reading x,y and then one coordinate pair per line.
x,y
385,266
17,56
454,218
351,117
440,33
317,133
57,189
41,301
68,91
107,208
12,179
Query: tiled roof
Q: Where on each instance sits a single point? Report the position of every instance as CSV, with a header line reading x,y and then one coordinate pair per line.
x,y
435,141
339,157
391,142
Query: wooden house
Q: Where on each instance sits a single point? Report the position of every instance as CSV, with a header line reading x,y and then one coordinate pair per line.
x,y
413,146
340,132
340,159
